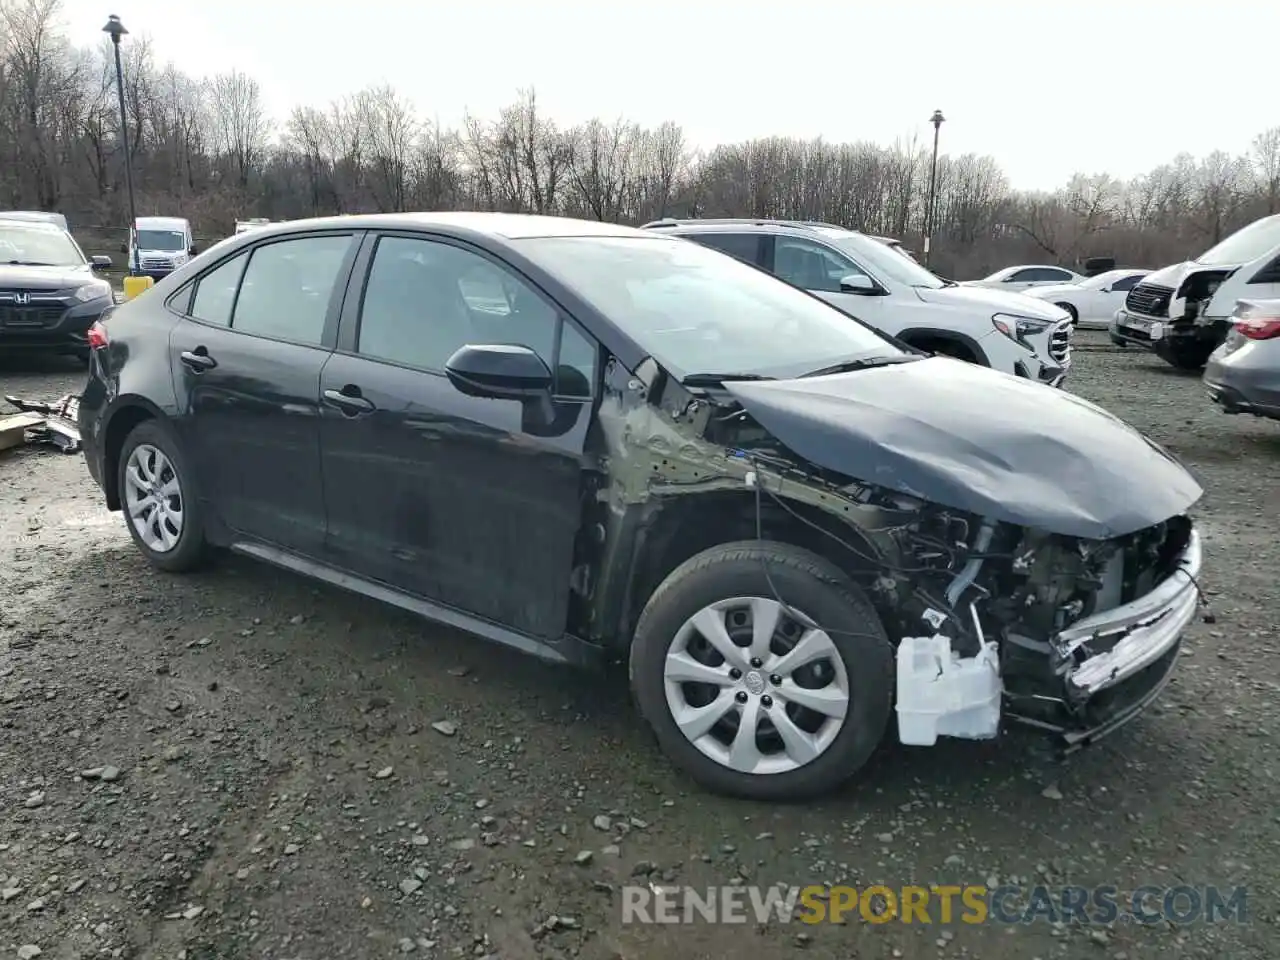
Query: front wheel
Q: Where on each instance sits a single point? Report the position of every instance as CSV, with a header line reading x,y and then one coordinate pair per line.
x,y
160,509
764,671
1192,356
1072,311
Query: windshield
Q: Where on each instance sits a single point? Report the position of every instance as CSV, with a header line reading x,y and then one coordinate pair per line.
x,y
38,245
696,310
883,260
1248,244
171,240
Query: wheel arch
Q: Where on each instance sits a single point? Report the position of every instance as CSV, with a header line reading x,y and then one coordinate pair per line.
x,y
126,413
681,527
921,337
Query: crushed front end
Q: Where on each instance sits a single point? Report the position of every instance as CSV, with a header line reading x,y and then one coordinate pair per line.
x,y
1092,629
1080,635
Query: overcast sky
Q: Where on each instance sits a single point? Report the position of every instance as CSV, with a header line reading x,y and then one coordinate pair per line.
x,y
1046,87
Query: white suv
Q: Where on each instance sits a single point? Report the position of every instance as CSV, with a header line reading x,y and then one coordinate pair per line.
x,y
864,278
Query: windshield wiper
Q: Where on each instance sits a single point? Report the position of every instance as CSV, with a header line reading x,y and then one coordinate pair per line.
x,y
862,363
29,263
715,379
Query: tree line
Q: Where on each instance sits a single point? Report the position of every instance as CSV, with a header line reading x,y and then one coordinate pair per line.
x,y
206,149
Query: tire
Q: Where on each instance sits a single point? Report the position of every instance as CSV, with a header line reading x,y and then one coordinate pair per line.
x,y
189,547
1187,358
1075,314
860,654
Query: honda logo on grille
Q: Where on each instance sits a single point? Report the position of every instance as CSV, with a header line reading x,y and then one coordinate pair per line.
x,y
22,297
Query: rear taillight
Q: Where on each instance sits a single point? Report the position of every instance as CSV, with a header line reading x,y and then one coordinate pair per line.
x,y
97,336
1259,328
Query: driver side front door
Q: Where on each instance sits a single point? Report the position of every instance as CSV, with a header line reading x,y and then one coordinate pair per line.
x,y
438,494
819,269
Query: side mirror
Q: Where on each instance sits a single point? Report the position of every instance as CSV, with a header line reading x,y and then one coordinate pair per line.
x,y
124,247
100,262
193,250
857,283
499,371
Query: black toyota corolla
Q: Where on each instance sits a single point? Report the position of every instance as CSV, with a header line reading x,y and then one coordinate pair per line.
x,y
594,443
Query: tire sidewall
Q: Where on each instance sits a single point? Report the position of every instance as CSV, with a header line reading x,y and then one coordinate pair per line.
x,y
191,540
831,601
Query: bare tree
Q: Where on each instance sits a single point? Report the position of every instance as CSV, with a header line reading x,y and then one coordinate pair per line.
x,y
237,122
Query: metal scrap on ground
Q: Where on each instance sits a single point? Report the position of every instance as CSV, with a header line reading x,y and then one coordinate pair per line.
x,y
48,422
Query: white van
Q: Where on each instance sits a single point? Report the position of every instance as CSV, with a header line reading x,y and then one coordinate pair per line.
x,y
163,245
1182,313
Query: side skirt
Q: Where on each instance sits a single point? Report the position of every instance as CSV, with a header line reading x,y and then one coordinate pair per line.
x,y
567,651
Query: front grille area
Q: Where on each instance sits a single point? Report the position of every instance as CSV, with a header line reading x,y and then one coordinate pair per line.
x,y
154,264
1149,299
33,317
1060,344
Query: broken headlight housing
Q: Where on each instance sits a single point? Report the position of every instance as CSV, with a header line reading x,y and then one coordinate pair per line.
x,y
1019,328
92,291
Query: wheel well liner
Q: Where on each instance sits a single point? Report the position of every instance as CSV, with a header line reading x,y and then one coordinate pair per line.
x,y
919,337
121,423
684,527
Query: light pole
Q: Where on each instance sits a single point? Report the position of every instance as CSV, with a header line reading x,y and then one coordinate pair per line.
x,y
117,30
937,120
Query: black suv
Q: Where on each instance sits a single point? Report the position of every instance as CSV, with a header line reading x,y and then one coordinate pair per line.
x,y
596,443
49,294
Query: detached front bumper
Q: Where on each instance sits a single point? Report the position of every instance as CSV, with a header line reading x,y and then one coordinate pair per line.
x,y
1106,649
1113,665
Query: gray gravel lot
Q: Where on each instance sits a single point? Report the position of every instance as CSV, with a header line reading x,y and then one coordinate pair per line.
x,y
268,780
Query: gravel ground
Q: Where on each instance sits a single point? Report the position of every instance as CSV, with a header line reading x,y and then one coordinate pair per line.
x,y
280,770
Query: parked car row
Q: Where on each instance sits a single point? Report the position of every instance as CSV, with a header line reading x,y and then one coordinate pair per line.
x,y
1183,312
594,443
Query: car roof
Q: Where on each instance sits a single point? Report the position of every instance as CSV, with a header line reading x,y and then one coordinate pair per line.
x,y
163,221
507,226
24,223
749,224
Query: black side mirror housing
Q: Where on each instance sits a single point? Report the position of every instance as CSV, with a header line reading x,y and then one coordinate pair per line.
x,y
100,262
499,371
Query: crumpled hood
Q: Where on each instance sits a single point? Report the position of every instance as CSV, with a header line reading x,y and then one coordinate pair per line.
x,y
43,278
997,301
974,439
1175,275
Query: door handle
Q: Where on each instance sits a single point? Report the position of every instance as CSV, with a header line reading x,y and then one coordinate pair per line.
x,y
198,359
349,401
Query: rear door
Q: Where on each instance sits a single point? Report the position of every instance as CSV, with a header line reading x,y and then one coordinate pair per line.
x,y
747,247
445,496
246,363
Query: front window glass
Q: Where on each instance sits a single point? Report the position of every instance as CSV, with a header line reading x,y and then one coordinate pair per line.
x,y
883,261
697,311
169,240
35,244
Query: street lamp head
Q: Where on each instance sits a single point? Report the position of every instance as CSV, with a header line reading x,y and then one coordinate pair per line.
x,y
115,28
937,118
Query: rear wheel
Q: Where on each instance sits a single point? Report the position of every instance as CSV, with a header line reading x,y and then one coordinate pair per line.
x,y
764,672
160,509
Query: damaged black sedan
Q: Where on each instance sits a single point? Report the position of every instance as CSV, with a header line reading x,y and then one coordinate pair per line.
x,y
594,443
